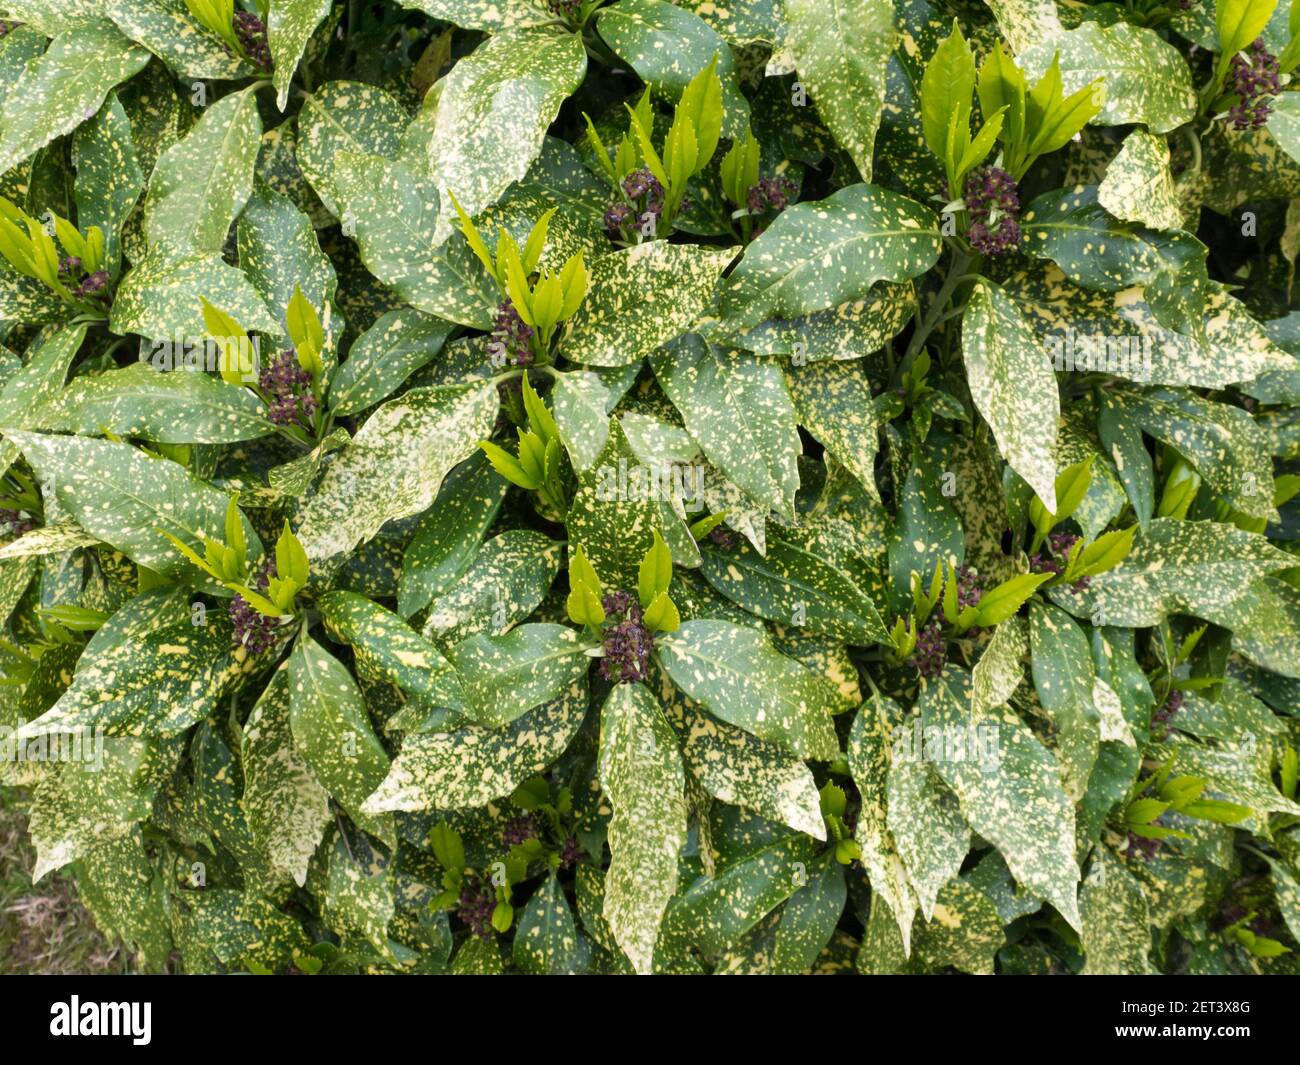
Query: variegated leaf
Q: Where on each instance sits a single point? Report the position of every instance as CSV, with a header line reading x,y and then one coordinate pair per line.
x,y
840,49
471,766
1139,186
642,775
394,465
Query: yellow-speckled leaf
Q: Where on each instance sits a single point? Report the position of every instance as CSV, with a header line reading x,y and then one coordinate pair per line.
x,y
738,768
1118,333
740,21
167,29
1013,386
923,817
641,297
331,728
508,578
109,177
852,330
841,48
1200,568
1000,669
279,253
395,464
1116,937
65,86
1065,680
546,939
737,675
190,208
834,404
490,15
506,676
122,497
392,349
493,110
52,17
617,508
75,811
1101,253
641,773
471,766
667,46
1221,441
386,643
123,891
1010,791
1284,123
1025,23
182,407
794,585
737,407
1266,626
356,890
284,804
715,912
1240,771
345,118
288,29
448,536
869,755
162,298
1139,186
1145,78
825,253
581,403
393,213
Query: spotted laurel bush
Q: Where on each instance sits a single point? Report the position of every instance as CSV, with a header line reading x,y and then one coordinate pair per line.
x,y
645,487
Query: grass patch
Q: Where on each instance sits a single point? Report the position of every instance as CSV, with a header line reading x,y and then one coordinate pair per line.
x,y
44,930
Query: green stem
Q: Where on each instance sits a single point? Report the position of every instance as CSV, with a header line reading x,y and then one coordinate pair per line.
x,y
956,275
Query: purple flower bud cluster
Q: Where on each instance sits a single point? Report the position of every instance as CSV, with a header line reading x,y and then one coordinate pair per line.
x,y
93,285
931,652
628,643
644,204
570,852
1254,79
1061,544
512,336
518,829
1141,847
475,905
17,524
286,386
970,587
993,202
254,630
74,270
1162,719
251,32
773,194
723,537
566,9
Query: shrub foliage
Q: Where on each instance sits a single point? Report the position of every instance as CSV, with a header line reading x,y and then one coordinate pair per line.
x,y
751,486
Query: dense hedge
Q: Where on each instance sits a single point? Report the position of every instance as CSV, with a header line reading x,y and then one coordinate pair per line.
x,y
747,486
